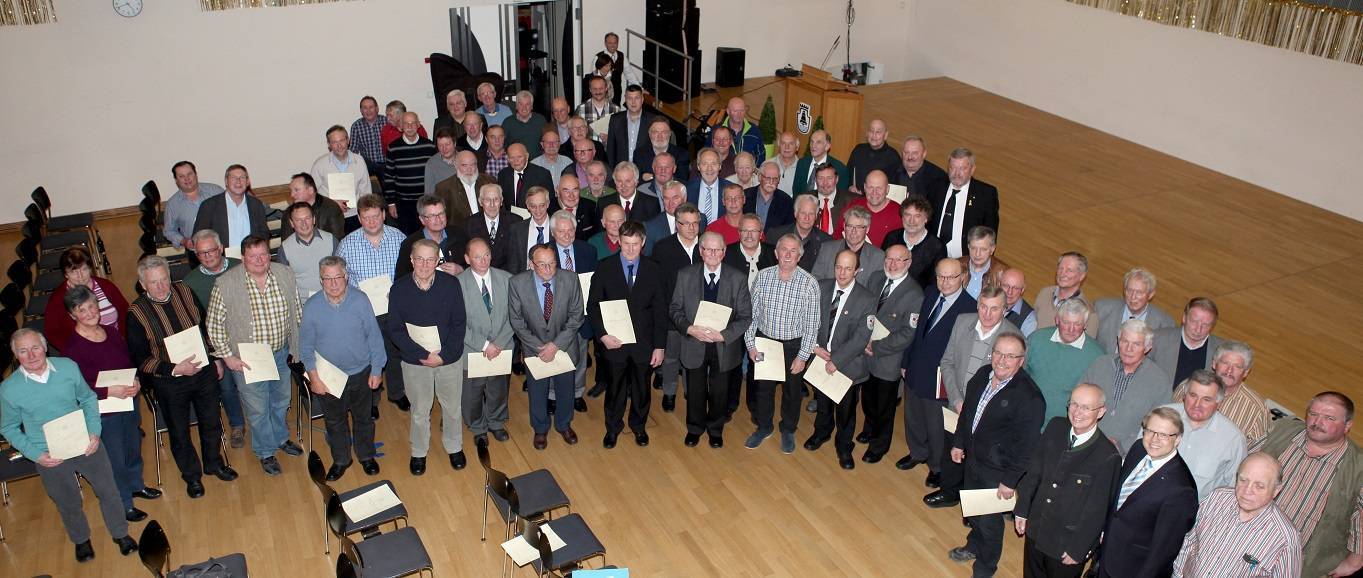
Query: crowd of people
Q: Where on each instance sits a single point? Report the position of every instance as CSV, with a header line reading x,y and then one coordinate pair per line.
x,y
1128,438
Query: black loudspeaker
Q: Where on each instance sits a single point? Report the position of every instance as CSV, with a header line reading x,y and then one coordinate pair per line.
x,y
674,23
729,66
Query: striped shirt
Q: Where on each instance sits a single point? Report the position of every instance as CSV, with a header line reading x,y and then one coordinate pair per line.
x,y
366,138
1122,379
1220,545
405,171
785,310
363,260
1245,408
269,317
1306,488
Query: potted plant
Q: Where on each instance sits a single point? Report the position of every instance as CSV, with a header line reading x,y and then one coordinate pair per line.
x,y
767,124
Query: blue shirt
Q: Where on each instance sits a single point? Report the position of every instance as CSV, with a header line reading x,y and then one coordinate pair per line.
x,y
181,212
346,334
363,260
496,118
977,279
238,221
628,266
1028,324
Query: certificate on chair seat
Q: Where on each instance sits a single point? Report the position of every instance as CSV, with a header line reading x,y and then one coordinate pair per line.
x,y
584,280
949,420
66,436
376,288
427,336
772,364
369,504
897,193
478,365
341,187
713,315
185,345
834,385
111,377
878,329
332,377
986,501
541,370
617,321
522,552
259,359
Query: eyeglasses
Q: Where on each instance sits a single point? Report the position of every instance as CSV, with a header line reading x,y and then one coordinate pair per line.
x,y
333,279
425,259
1006,356
1083,408
856,227
434,216
1159,435
209,252
947,277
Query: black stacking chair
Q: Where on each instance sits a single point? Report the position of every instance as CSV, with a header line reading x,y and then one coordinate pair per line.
x,y
389,555
11,471
579,545
366,527
153,548
76,221
308,403
538,491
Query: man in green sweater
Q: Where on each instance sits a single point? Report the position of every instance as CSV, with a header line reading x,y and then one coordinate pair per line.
x,y
212,263
1057,356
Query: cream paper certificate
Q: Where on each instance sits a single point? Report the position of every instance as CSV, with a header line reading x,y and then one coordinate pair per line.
x,y
341,187
376,288
772,364
187,344
66,436
541,370
986,501
332,377
617,321
428,337
834,385
111,377
259,359
713,315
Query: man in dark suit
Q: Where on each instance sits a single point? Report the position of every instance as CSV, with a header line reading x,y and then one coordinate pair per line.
x,y
569,198
637,207
578,257
829,200
811,238
431,211
213,210
994,439
1069,486
664,224
964,204
546,313
639,282
460,192
629,125
1156,503
819,145
520,175
705,190
843,335
927,249
899,297
1188,347
749,255
660,171
924,396
710,355
917,173
474,140
1138,290
527,233
659,144
492,223
673,254
772,205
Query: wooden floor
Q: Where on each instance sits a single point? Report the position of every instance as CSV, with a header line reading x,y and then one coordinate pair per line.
x,y
1285,275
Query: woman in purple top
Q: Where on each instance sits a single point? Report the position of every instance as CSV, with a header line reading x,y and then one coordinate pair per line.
x,y
96,348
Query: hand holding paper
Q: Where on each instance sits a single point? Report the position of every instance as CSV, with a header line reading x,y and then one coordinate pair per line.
x,y
67,436
259,362
341,187
333,379
428,337
187,345
985,501
615,316
540,369
771,360
713,315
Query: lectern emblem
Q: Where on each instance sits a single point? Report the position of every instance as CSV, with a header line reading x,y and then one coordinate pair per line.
x,y
802,119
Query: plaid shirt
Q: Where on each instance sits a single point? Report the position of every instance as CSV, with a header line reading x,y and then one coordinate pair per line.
x,y
589,112
496,164
365,138
269,317
785,309
364,260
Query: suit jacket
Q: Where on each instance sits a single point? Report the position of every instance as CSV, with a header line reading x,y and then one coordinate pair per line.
x,y
841,198
641,207
476,226
801,183
733,293
1150,525
693,188
1168,342
895,314
993,277
998,450
566,317
780,212
1109,313
955,364
451,250
733,257
925,255
480,152
927,182
586,215
657,229
847,342
872,260
921,359
213,215
811,243
647,306
515,251
1066,493
480,325
451,190
617,137
672,258
534,175
1044,303
644,159
585,259
981,208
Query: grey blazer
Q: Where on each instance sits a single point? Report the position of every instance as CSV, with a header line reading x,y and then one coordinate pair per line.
x,y
1109,312
897,315
848,340
1167,343
872,260
1148,389
479,325
955,364
733,293
527,318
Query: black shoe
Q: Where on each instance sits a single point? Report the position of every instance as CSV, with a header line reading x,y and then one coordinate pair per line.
x,y
669,403
716,442
480,440
518,368
85,552
552,406
402,403
500,435
657,382
126,545
934,480
147,493
291,448
371,467
813,443
863,438
846,462
941,499
908,463
580,405
871,458
641,438
458,461
195,489
270,466
336,471
417,466
374,413
692,440
134,515
608,442
225,473
597,390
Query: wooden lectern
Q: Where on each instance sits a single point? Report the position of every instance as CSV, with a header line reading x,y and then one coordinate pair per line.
x,y
816,93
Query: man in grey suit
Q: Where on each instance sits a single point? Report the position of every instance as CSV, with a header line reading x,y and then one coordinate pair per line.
x,y
546,313
855,224
710,355
846,308
899,297
1138,290
1132,382
811,238
1180,351
487,332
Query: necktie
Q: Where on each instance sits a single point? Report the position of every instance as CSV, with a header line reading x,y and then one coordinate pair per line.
x,y
885,293
948,218
487,297
539,238
706,202
568,260
1073,439
826,217
492,231
712,289
548,301
813,171
627,205
629,277
1133,482
937,311
518,200
833,315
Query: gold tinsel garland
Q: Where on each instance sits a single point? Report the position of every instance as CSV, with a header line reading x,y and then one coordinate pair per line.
x,y
211,5
26,12
1310,28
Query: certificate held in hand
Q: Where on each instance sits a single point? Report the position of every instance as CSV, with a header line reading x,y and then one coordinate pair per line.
x,y
615,317
67,436
713,315
584,280
187,344
332,377
479,365
834,385
376,288
259,360
771,364
541,370
985,501
110,378
428,337
341,187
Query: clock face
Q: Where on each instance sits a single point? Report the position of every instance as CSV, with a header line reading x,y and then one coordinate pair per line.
x,y
128,8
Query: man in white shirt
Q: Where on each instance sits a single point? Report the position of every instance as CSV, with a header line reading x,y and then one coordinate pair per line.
x,y
339,159
1212,446
704,190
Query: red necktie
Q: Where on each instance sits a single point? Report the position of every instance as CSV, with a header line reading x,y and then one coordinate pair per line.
x,y
826,221
627,203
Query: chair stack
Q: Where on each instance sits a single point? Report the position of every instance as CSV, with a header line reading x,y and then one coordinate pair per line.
x,y
309,404
154,551
153,241
397,552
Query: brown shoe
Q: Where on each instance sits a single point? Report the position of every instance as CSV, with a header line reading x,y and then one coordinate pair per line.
x,y
569,436
541,441
238,439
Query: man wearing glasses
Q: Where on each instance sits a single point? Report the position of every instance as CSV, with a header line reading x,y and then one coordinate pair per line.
x,y
854,226
924,397
1132,382
434,219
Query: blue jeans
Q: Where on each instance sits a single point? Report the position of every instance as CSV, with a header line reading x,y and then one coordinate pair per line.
x,y
231,401
266,404
123,440
562,385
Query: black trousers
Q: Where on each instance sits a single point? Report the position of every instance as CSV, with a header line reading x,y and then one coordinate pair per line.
x,y
843,415
953,474
740,381
986,532
177,396
1038,565
628,386
407,220
792,393
707,395
923,429
392,373
355,402
878,398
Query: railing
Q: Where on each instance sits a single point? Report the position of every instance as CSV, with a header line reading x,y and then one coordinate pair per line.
x,y
687,62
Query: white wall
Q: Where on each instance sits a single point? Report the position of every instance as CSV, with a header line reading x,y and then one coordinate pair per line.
x,y
1279,119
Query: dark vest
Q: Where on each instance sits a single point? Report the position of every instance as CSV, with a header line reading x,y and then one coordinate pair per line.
x,y
1017,317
